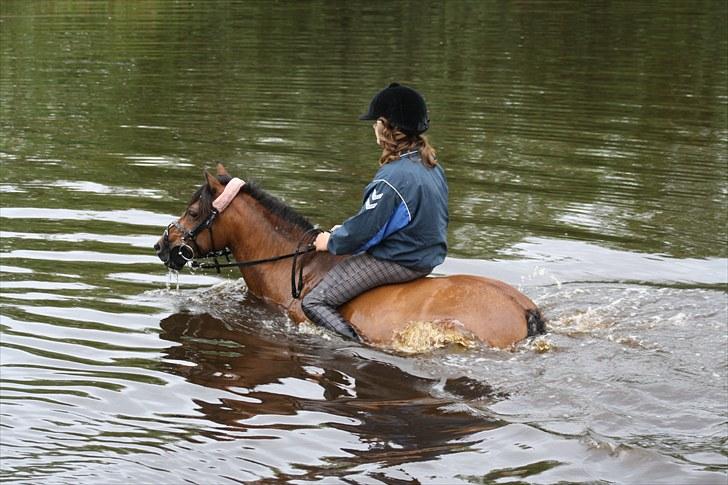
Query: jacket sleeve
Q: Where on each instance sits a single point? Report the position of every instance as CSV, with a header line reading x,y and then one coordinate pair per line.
x,y
383,212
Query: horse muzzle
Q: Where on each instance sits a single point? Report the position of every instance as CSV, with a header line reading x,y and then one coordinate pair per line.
x,y
175,257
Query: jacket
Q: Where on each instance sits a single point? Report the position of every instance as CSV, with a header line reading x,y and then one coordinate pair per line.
x,y
403,217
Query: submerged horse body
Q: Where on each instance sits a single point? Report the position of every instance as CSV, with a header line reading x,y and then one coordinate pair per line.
x,y
254,225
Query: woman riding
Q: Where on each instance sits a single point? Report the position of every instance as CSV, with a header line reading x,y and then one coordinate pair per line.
x,y
400,232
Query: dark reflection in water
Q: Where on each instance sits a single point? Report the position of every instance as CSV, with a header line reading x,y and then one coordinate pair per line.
x,y
394,412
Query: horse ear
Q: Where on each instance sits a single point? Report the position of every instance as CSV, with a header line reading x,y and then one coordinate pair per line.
x,y
215,186
221,170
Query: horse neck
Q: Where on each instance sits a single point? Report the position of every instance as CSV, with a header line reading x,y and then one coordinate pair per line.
x,y
251,231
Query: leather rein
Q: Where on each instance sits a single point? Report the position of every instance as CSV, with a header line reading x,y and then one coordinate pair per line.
x,y
220,204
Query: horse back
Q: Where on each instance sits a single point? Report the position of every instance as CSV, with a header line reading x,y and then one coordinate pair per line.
x,y
492,310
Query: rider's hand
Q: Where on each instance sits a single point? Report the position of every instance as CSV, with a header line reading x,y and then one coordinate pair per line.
x,y
322,241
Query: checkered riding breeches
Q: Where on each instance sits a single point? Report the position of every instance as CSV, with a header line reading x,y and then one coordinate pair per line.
x,y
345,281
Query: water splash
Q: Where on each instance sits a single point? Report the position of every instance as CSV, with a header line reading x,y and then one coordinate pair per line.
x,y
173,276
422,336
541,345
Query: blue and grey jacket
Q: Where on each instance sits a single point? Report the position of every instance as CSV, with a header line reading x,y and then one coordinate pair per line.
x,y
403,217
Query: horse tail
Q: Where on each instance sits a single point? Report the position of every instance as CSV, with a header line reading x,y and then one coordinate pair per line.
x,y
535,322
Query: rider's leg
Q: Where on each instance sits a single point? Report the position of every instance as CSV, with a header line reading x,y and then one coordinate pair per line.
x,y
345,281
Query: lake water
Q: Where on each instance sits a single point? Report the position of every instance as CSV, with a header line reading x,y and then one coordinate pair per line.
x,y
585,147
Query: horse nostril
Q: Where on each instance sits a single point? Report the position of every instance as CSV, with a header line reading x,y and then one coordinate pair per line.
x,y
157,247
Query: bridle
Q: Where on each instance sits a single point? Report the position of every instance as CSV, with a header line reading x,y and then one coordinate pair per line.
x,y
187,252
188,236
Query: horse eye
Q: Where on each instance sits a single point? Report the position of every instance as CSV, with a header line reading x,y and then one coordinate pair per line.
x,y
193,213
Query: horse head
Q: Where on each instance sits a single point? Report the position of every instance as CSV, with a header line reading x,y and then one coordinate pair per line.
x,y
191,235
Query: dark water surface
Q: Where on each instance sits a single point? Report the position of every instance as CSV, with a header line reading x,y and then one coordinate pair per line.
x,y
585,146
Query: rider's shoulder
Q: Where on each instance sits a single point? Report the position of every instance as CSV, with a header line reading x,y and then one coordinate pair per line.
x,y
400,168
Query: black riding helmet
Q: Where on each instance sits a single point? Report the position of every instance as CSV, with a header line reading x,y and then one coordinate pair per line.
x,y
403,107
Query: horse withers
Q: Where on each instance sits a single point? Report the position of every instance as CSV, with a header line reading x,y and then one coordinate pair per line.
x,y
228,214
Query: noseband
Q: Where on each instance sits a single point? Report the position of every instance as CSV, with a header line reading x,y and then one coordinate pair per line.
x,y
186,251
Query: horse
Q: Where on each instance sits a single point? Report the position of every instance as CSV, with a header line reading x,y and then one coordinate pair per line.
x,y
261,232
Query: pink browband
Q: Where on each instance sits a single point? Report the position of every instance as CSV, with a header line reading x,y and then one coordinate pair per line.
x,y
231,190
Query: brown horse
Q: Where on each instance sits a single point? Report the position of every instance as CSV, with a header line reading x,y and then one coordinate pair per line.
x,y
255,225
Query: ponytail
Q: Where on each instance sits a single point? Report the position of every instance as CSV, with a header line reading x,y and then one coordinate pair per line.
x,y
395,143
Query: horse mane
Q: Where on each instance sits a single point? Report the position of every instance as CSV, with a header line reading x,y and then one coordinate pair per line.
x,y
276,206
272,204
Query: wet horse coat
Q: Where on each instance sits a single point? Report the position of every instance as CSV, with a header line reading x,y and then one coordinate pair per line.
x,y
254,225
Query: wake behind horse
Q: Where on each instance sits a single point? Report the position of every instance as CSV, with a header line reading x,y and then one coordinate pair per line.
x,y
226,213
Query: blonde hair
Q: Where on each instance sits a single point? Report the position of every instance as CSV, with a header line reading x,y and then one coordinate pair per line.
x,y
395,143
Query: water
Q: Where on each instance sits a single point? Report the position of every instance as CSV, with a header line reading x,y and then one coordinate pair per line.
x,y
585,146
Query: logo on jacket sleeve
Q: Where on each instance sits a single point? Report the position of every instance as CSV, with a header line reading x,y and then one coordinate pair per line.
x,y
371,201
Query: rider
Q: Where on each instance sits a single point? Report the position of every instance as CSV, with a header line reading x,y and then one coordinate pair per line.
x,y
400,232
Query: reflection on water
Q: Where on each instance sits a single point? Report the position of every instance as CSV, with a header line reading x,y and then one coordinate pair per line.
x,y
585,145
597,122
